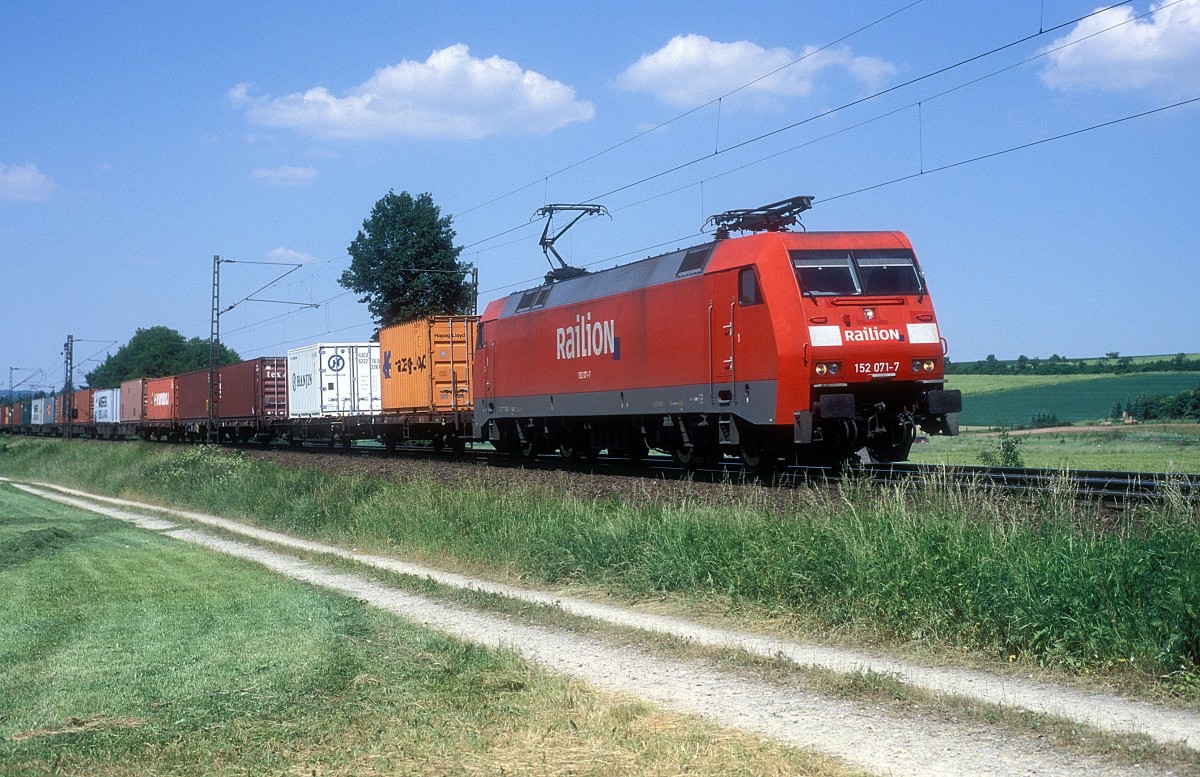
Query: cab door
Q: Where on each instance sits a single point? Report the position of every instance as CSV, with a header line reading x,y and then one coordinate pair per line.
x,y
722,337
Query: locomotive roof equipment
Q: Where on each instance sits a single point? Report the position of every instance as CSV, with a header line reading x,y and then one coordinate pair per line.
x,y
776,217
564,271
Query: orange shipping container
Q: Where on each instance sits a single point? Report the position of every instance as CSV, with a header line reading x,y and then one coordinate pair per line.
x,y
425,365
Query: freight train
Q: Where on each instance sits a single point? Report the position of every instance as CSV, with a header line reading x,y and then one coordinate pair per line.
x,y
774,346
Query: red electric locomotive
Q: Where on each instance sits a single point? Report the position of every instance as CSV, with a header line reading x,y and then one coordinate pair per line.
x,y
801,346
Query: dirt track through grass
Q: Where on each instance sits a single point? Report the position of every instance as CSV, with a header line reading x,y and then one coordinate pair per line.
x,y
862,735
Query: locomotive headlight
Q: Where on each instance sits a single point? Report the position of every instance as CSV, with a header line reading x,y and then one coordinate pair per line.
x,y
828,368
923,365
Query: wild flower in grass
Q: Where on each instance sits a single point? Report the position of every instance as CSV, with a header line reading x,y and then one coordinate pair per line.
x,y
202,464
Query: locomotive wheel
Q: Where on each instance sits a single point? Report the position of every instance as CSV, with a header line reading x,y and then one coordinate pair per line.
x,y
895,446
684,455
528,450
690,457
755,459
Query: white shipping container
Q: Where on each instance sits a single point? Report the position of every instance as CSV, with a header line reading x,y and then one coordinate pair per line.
x,y
37,415
106,406
333,379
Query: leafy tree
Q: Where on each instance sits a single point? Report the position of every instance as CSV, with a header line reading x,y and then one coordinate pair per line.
x,y
154,353
405,264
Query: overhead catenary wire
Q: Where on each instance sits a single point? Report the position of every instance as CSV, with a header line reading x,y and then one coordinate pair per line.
x,y
690,111
817,116
917,104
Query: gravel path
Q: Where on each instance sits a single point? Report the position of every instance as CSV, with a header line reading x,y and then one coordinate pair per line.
x,y
869,737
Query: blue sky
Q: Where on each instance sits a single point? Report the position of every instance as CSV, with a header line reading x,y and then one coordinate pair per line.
x,y
139,139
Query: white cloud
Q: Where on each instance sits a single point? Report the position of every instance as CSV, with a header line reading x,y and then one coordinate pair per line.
x,y
1159,54
449,95
25,183
692,69
286,175
282,254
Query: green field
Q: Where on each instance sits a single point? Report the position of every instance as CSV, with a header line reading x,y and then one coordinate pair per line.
x,y
1012,400
1140,448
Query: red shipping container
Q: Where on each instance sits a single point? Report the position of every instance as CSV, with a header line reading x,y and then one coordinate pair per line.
x,y
83,413
254,389
193,395
133,401
162,399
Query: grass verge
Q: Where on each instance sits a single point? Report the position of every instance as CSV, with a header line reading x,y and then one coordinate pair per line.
x,y
1050,581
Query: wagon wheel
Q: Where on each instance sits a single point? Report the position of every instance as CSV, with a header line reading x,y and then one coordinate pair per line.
x,y
439,442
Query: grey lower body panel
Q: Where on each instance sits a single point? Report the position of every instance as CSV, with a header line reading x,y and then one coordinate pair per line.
x,y
752,401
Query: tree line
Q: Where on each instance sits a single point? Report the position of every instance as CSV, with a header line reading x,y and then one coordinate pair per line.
x,y
1111,364
1154,407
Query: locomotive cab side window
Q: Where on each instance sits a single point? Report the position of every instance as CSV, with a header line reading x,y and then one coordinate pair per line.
x,y
479,341
749,292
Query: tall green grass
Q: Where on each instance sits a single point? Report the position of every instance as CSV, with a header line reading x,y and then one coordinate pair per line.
x,y
1049,580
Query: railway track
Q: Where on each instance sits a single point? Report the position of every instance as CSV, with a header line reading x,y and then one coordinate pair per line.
x,y
1107,485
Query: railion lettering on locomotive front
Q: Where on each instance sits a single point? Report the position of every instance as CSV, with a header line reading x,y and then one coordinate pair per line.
x,y
872,334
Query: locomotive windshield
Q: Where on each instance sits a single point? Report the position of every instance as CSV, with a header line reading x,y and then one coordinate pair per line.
x,y
870,272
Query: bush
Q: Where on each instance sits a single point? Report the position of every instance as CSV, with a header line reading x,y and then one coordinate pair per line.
x,y
1004,452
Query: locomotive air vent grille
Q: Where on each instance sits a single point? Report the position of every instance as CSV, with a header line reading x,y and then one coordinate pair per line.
x,y
694,260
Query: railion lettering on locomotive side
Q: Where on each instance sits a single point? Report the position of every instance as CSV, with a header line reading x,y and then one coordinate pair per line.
x,y
587,338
